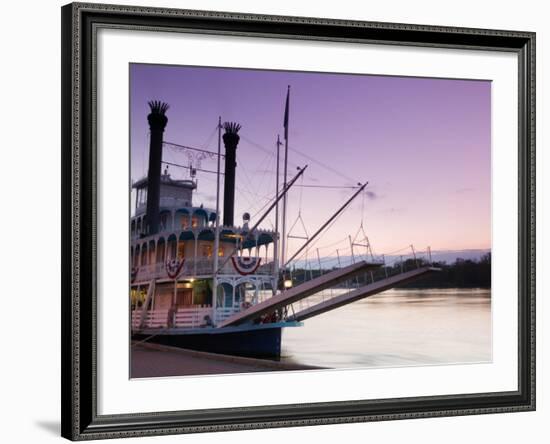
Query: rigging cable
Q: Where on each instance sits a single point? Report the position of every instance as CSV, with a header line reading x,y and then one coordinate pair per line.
x,y
335,187
252,206
328,167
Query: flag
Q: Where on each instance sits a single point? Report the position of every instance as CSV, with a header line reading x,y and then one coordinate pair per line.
x,y
285,123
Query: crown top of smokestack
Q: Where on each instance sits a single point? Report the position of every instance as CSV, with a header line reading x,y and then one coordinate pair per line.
x,y
231,136
157,118
231,127
158,107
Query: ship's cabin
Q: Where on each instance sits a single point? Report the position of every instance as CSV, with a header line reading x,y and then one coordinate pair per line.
x,y
184,246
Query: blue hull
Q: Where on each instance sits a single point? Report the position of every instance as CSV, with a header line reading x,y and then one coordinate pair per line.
x,y
257,341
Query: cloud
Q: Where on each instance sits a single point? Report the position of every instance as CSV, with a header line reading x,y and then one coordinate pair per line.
x,y
371,195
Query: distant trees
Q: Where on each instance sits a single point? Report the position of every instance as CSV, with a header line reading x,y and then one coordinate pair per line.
x,y
463,273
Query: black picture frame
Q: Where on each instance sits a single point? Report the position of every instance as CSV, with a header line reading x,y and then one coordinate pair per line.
x,y
79,209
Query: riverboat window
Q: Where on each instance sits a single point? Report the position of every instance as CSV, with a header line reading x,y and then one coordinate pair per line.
x,y
172,247
152,255
184,222
160,251
202,294
166,220
181,249
184,296
137,297
207,250
142,196
144,255
136,257
195,222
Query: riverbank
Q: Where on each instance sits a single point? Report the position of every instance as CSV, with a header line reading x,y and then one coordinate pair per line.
x,y
153,360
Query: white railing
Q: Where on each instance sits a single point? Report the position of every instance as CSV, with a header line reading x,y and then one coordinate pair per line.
x,y
222,313
194,267
136,318
191,317
182,318
153,318
150,272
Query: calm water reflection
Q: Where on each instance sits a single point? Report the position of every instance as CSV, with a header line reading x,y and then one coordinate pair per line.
x,y
397,327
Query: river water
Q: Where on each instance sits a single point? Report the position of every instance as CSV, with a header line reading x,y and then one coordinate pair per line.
x,y
396,328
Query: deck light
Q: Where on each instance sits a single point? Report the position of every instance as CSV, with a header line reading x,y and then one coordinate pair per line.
x,y
288,283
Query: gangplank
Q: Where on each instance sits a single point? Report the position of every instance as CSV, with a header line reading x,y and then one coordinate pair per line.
x,y
299,292
361,293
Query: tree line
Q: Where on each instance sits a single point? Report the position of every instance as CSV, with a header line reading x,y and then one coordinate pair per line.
x,y
463,273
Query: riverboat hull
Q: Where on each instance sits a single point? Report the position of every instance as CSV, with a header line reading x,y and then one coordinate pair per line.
x,y
256,341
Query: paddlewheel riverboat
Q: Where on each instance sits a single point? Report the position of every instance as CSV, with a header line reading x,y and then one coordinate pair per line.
x,y
201,283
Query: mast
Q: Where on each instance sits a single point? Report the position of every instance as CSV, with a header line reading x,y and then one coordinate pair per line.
x,y
276,243
217,234
285,124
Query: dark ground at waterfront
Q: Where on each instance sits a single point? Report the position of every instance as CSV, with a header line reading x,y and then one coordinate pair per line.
x,y
152,360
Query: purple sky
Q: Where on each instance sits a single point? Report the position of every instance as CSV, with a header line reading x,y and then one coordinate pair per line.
x,y
424,146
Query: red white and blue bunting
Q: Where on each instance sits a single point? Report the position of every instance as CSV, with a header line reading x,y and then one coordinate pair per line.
x,y
245,265
174,266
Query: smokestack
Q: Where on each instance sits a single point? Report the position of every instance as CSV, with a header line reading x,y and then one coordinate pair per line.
x,y
230,140
157,122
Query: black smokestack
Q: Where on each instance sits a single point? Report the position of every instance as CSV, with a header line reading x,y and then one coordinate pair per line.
x,y
157,122
230,140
